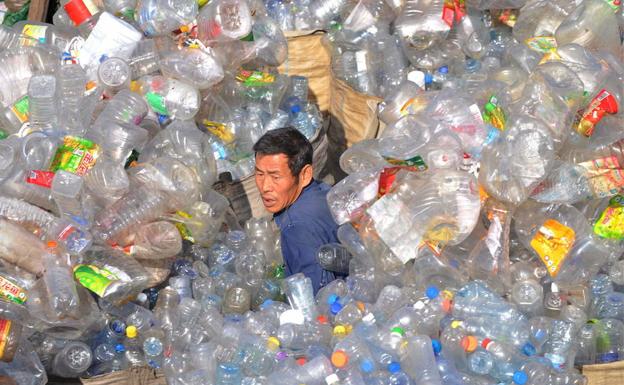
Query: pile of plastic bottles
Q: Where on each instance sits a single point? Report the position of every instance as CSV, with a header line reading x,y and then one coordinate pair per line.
x,y
481,234
163,62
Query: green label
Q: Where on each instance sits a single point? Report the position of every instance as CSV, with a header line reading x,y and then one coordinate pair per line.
x,y
93,278
76,155
415,163
249,37
611,222
542,44
614,4
157,102
255,78
21,108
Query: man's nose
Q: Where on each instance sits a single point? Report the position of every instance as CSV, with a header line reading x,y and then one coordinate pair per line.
x,y
266,185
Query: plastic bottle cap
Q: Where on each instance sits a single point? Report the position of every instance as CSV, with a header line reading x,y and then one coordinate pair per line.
x,y
131,331
360,305
335,308
340,330
520,377
428,78
528,349
273,343
540,334
367,366
52,244
120,348
489,107
485,343
339,358
418,305
436,345
281,356
443,69
295,109
332,299
301,361
469,343
77,11
322,320
398,330
332,379
394,367
432,292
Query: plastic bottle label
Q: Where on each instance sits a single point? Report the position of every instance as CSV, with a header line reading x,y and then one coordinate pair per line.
x,y
75,155
40,178
601,104
543,44
415,163
386,180
21,109
606,177
255,78
614,4
552,243
611,222
219,130
37,32
184,231
93,278
493,114
11,291
157,102
5,329
453,10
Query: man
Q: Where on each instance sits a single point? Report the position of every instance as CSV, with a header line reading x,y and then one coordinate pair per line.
x,y
284,177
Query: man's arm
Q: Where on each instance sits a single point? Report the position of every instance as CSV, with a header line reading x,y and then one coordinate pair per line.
x,y
299,247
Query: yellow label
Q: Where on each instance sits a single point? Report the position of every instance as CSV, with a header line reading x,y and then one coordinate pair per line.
x,y
606,177
37,32
552,243
219,130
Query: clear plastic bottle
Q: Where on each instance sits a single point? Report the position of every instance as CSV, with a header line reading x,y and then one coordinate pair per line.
x,y
224,20
334,257
66,191
21,248
418,360
300,293
160,17
169,97
73,360
42,101
114,74
58,279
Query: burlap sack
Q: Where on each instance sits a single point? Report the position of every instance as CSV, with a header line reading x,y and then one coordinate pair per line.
x,y
605,374
307,56
353,115
133,376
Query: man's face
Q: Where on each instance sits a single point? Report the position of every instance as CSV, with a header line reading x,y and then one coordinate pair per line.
x,y
277,186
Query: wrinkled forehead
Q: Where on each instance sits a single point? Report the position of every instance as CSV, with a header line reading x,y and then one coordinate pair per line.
x,y
270,163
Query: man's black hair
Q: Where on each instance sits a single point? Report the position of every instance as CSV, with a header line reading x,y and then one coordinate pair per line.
x,y
287,141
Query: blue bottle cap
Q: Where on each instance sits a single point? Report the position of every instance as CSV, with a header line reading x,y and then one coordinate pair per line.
x,y
295,109
432,292
437,346
528,349
520,377
367,366
266,303
443,70
428,78
120,348
332,299
540,334
394,367
335,308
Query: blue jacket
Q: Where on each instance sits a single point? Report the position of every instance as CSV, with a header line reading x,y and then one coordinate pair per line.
x,y
305,226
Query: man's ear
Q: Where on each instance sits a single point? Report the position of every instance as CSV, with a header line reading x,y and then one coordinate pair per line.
x,y
305,176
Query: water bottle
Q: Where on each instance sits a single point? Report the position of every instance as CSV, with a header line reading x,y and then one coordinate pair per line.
x,y
73,360
114,75
418,361
158,17
224,20
228,374
21,248
169,97
298,289
334,257
42,102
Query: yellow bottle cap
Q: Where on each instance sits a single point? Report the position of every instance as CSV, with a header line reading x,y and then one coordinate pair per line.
x,y
455,324
340,330
273,343
131,331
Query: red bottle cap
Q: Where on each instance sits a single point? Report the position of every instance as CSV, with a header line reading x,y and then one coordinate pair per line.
x,y
77,11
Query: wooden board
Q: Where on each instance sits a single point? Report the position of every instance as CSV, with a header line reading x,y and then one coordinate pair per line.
x,y
38,10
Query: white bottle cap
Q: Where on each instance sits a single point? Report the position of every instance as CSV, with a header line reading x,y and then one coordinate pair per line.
x,y
292,316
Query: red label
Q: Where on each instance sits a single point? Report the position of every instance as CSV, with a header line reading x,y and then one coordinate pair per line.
x,y
40,178
5,328
386,180
603,103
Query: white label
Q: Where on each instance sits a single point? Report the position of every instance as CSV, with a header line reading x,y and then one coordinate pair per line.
x,y
417,77
292,316
419,305
360,61
476,113
494,232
